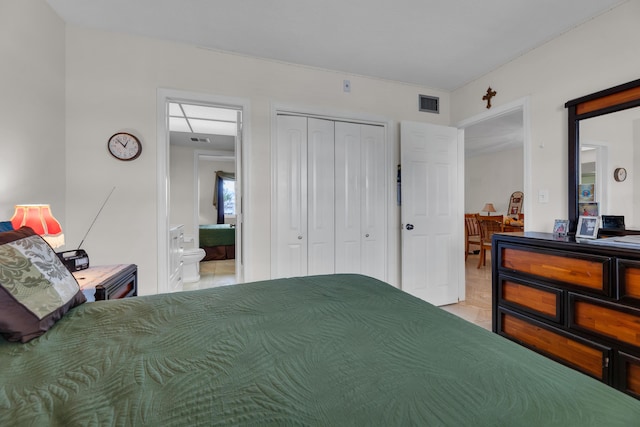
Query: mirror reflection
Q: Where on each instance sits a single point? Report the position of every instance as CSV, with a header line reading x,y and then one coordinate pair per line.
x,y
609,143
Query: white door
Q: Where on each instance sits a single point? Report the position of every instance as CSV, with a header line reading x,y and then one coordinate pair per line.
x,y
373,202
290,188
320,197
239,190
360,200
348,193
431,218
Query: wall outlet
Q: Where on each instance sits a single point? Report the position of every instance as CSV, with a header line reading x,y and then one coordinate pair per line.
x,y
346,86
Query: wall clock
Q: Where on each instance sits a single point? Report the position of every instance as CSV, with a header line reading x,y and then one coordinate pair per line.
x,y
124,146
620,174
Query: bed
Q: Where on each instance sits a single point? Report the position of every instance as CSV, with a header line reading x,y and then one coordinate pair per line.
x,y
317,351
218,241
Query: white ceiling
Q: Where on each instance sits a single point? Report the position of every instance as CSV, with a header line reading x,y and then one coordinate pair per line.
x,y
441,44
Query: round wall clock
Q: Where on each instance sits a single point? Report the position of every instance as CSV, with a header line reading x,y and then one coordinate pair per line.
x,y
124,146
620,174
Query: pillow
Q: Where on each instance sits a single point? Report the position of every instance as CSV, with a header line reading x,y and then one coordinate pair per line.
x,y
36,289
6,226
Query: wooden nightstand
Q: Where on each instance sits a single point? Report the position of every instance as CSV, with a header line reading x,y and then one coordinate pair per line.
x,y
104,282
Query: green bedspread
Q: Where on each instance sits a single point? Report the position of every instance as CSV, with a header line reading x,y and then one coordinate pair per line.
x,y
217,235
321,351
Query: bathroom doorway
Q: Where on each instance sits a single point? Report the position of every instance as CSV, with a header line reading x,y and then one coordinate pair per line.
x,y
216,234
196,129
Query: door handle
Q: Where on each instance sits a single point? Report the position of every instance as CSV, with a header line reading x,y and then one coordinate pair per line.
x,y
409,226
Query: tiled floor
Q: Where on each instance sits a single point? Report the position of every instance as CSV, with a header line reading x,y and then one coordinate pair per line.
x,y
214,274
477,307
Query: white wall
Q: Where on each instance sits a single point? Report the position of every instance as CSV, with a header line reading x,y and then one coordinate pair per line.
x,y
596,55
181,190
112,81
492,178
32,114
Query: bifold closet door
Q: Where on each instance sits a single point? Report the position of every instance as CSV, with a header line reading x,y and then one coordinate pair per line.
x,y
320,196
360,199
304,197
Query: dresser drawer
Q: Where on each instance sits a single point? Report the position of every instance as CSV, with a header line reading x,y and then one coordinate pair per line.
x,y
534,298
608,320
590,272
580,354
629,280
629,380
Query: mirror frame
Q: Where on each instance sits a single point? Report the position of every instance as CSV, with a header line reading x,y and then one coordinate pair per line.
x,y
596,104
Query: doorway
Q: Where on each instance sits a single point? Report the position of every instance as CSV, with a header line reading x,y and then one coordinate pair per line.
x,y
217,268
501,136
181,204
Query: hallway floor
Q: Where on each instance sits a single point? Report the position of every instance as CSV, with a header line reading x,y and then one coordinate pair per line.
x,y
477,307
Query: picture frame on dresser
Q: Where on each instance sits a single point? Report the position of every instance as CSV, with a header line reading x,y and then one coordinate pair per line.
x,y
587,227
561,227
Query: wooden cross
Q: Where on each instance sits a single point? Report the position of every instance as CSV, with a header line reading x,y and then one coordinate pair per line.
x,y
490,94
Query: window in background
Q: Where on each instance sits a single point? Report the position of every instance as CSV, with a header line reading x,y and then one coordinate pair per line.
x,y
229,197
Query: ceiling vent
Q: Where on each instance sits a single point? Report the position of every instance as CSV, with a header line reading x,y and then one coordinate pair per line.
x,y
206,140
430,104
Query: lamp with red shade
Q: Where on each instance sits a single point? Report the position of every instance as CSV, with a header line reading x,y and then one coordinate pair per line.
x,y
40,219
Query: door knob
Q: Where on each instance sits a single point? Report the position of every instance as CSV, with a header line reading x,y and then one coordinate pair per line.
x,y
299,237
409,226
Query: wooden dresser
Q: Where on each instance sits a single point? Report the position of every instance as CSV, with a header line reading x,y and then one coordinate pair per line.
x,y
577,303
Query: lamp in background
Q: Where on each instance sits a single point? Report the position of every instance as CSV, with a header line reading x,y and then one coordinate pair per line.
x,y
40,219
488,208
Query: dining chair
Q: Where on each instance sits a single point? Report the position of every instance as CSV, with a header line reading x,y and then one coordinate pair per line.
x,y
471,233
488,226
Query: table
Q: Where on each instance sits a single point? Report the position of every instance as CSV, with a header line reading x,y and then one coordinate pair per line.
x,y
105,282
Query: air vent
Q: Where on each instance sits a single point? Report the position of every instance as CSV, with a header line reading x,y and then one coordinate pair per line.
x,y
206,140
430,104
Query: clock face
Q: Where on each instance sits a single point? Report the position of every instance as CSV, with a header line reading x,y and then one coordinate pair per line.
x,y
124,146
620,174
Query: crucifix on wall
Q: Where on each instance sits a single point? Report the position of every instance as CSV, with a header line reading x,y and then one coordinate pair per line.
x,y
490,94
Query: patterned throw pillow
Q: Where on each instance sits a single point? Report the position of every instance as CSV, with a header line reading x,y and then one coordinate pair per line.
x,y
36,289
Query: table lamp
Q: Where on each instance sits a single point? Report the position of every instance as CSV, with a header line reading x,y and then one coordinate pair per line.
x,y
40,219
488,208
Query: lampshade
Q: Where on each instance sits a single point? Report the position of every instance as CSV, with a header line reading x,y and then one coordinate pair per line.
x,y
488,207
40,219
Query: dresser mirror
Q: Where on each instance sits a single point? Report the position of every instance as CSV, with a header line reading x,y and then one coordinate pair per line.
x,y
604,146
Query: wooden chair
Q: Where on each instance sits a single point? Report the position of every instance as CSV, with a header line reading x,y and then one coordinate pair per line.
x,y
471,233
488,226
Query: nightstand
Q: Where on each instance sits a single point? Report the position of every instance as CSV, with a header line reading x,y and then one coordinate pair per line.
x,y
104,282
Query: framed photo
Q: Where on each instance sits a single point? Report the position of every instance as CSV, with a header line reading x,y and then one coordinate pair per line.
x,y
587,227
586,193
588,209
560,227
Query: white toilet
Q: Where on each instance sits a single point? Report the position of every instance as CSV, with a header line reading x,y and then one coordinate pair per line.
x,y
190,264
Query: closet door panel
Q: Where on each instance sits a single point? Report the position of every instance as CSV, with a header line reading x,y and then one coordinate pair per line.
x,y
291,197
320,200
348,198
373,211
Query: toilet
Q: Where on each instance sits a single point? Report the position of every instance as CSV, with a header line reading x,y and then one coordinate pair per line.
x,y
190,264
